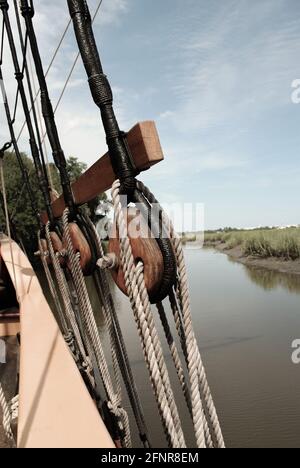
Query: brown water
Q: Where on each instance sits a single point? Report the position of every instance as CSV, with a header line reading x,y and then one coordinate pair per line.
x,y
245,320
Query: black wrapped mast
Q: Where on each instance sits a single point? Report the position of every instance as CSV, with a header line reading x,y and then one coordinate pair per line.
x,y
102,94
121,160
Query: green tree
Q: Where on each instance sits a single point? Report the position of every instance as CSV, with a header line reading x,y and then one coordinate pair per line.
x,y
18,199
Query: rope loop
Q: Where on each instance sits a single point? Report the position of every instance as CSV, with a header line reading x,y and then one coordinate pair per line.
x,y
27,8
5,148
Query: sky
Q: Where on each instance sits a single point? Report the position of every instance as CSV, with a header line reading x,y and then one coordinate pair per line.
x,y
216,76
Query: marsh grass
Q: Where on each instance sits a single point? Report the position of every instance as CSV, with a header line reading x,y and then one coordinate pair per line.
x,y
188,238
277,243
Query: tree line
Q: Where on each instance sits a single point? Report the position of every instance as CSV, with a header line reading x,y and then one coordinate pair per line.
x,y
19,206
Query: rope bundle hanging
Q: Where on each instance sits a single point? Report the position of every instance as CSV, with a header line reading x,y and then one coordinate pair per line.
x,y
184,324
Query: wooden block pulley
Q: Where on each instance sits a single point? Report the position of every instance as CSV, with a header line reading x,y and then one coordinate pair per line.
x,y
144,249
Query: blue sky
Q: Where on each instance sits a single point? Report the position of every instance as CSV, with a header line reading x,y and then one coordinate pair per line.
x,y
215,76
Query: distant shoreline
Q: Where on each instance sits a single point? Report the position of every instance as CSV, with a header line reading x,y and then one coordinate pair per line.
x,y
271,263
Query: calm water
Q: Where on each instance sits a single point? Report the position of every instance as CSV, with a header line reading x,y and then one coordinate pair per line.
x,y
245,320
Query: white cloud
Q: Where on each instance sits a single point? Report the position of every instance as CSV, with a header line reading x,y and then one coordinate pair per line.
x,y
112,11
219,79
78,118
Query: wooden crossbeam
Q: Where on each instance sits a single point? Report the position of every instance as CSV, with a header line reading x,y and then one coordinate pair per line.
x,y
146,151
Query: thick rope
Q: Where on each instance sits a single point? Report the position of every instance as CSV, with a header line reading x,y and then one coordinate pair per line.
x,y
175,355
117,340
14,408
198,380
114,398
135,284
51,286
41,125
7,417
68,308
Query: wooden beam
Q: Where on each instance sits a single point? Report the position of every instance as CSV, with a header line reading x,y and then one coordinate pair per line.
x,y
145,147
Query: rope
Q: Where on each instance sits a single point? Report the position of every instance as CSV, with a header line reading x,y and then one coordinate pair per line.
x,y
14,408
196,369
22,166
32,138
175,355
7,418
31,89
198,381
92,333
72,68
117,340
68,308
51,285
135,284
47,72
41,127
2,42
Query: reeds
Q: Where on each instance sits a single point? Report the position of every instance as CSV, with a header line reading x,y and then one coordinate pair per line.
x,y
277,243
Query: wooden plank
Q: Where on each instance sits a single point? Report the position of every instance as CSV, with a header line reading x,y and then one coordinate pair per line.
x,y
55,409
145,147
9,327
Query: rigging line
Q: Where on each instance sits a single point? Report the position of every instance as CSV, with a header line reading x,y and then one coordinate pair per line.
x,y
57,50
17,150
72,68
14,212
41,127
32,139
47,109
2,42
25,68
48,70
24,52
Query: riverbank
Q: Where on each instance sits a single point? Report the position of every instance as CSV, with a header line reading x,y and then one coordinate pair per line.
x,y
271,263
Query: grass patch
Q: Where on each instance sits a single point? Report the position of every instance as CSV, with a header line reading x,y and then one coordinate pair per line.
x,y
277,243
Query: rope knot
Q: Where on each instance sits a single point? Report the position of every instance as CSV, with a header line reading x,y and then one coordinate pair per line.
x,y
19,76
4,5
116,413
108,262
27,9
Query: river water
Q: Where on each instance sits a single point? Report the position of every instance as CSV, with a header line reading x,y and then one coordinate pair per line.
x,y
245,320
